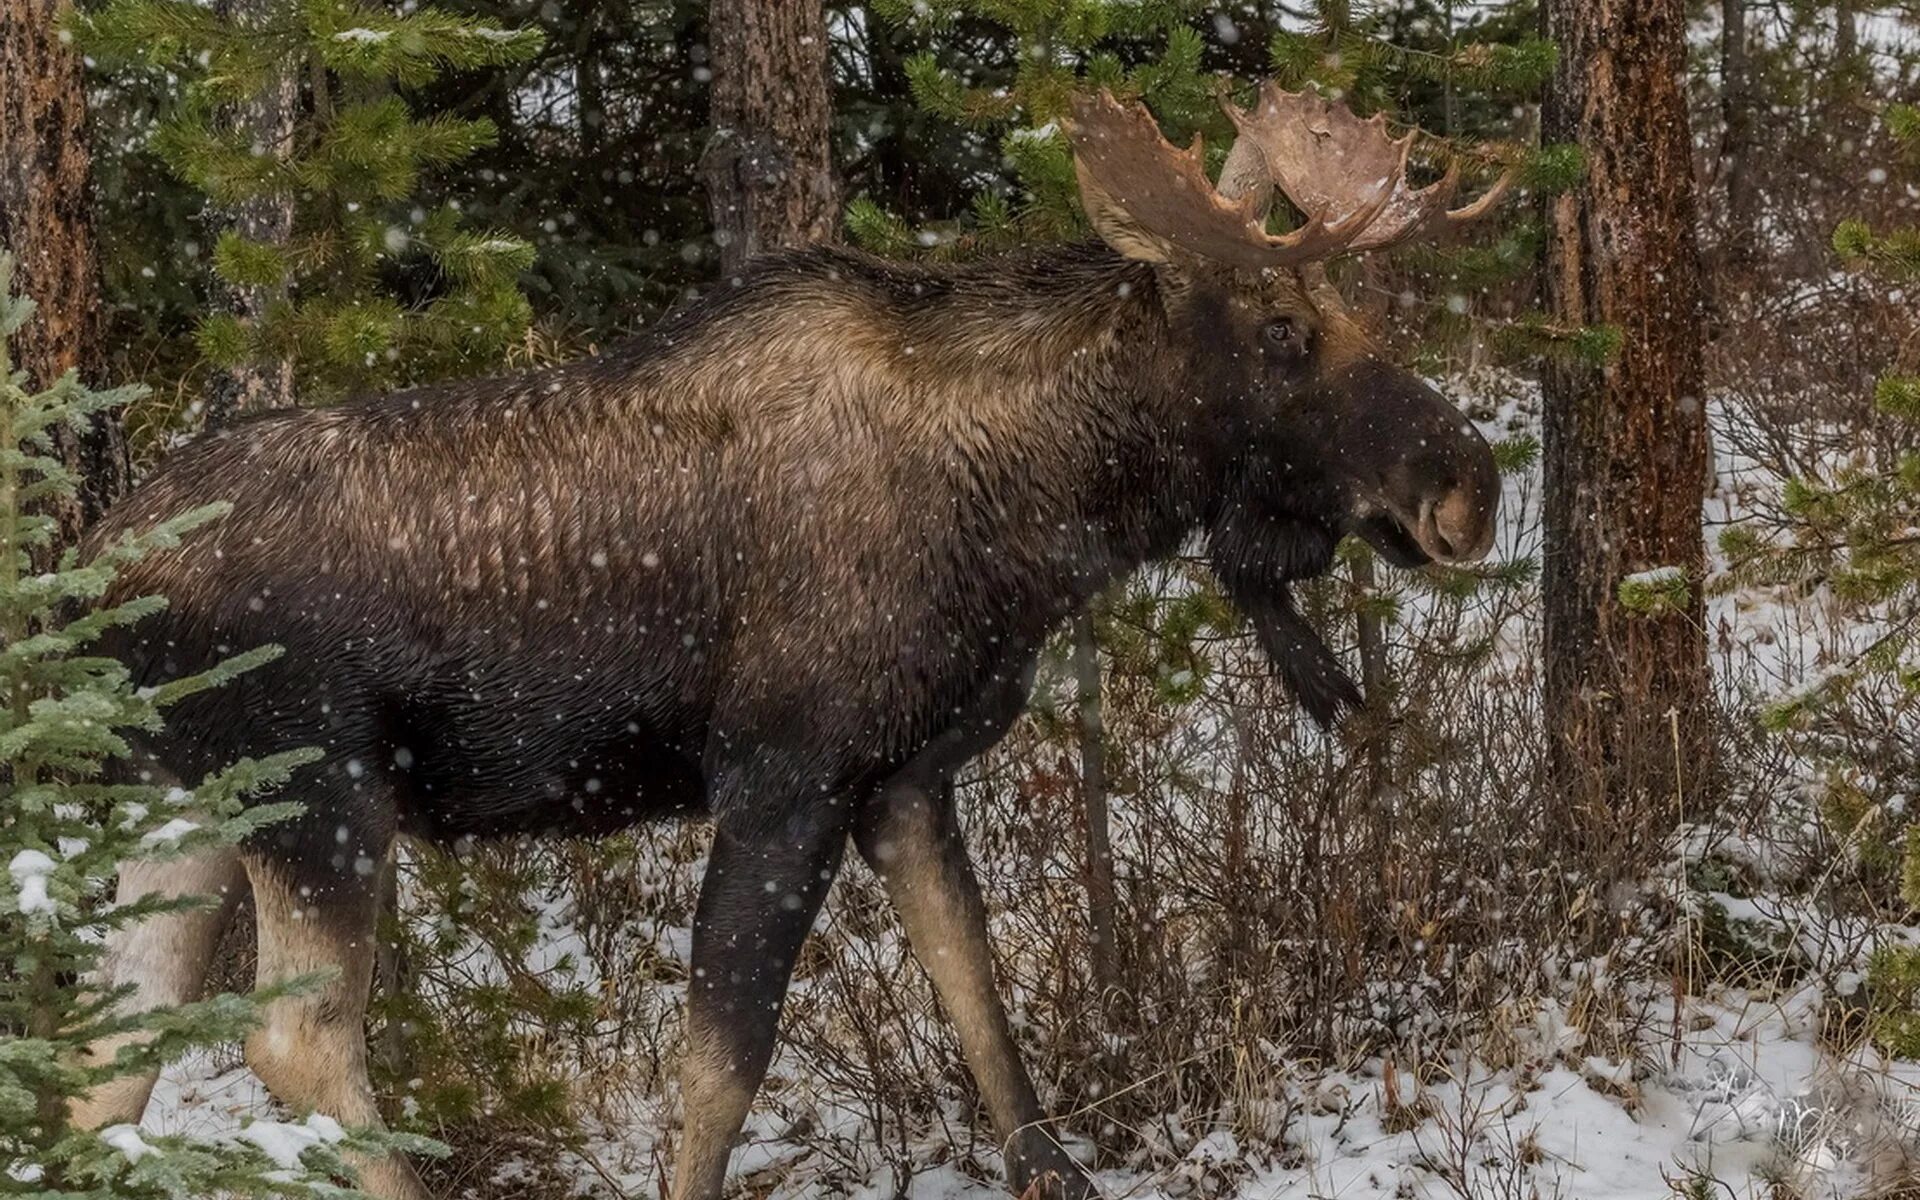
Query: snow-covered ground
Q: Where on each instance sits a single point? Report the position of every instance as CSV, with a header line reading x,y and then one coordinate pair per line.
x,y
1735,1089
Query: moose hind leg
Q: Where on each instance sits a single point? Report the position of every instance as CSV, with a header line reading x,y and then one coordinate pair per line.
x,y
757,902
311,1049
165,958
909,836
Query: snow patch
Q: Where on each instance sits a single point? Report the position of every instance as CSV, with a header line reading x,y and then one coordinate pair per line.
x,y
168,834
284,1142
30,869
127,1140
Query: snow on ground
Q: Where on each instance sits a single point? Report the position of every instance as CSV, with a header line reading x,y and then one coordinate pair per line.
x,y
1737,1090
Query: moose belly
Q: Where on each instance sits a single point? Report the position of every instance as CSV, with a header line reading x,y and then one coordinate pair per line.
x,y
589,781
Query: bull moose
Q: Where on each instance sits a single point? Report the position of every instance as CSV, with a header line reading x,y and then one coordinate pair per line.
x,y
787,561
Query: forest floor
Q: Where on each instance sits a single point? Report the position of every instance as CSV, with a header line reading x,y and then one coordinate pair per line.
x,y
1732,1096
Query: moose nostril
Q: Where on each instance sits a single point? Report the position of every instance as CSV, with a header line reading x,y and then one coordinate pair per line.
x,y
1431,517
1461,526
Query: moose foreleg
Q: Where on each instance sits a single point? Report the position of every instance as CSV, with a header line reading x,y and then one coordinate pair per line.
x,y
164,958
909,836
311,1049
757,902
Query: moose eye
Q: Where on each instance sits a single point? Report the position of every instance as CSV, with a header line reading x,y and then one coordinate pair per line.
x,y
1280,333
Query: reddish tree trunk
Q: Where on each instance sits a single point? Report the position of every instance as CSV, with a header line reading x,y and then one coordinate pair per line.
x,y
1628,703
46,222
769,164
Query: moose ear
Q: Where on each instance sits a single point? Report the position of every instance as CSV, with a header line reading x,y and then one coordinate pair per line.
x,y
1116,227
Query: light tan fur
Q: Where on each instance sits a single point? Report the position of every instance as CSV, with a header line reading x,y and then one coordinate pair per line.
x,y
310,1050
714,1102
912,842
165,958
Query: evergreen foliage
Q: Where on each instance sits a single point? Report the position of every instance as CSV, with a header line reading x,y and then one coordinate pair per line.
x,y
379,291
466,1033
1854,532
66,821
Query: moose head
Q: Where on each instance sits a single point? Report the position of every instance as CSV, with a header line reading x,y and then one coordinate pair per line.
x,y
1315,432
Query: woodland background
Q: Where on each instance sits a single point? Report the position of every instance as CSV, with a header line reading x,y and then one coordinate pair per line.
x,y
1628,804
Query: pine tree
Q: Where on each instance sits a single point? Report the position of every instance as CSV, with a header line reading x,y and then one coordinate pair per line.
x,y
378,292
1855,532
66,821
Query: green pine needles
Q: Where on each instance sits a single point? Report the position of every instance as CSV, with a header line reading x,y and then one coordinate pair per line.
x,y
371,291
1854,531
65,824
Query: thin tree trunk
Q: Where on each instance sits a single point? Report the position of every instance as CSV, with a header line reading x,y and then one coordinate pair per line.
x,y
1851,75
768,161
1627,700
1238,865
46,222
1101,900
1846,36
267,120
1376,728
1736,134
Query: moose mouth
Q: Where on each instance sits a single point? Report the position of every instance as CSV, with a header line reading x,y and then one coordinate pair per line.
x,y
1394,541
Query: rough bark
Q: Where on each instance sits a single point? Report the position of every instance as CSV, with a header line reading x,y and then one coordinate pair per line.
x,y
46,222
1627,700
768,163
268,120
1736,134
1101,896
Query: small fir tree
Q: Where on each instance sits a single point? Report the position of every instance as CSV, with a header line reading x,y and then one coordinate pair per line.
x,y
1855,531
66,822
371,290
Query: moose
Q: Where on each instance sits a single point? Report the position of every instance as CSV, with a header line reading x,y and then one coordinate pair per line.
x,y
786,562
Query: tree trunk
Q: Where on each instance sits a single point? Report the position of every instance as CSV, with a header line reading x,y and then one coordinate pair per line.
x,y
1627,698
1851,76
267,120
1736,134
1101,900
46,221
1846,39
1376,723
768,160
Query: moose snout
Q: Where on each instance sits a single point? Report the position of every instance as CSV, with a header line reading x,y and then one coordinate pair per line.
x,y
1439,483
1457,526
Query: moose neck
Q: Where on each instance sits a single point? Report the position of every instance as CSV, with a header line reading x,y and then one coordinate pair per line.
x,y
1043,387
1056,376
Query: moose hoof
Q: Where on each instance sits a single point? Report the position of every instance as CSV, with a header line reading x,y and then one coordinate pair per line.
x,y
1038,1168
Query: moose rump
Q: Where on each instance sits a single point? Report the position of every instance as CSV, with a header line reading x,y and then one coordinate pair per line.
x,y
788,561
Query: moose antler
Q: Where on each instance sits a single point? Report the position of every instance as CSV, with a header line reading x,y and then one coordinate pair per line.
x,y
1347,176
1322,156
1119,153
